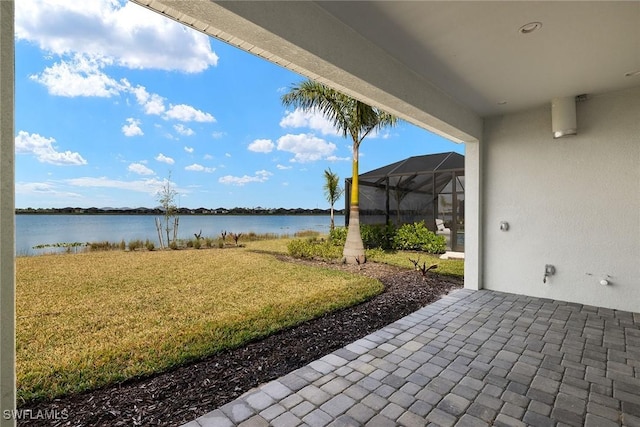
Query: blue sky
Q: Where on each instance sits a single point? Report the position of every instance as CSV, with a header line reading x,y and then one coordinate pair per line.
x,y
112,99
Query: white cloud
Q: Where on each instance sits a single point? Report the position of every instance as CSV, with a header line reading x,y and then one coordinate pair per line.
x,y
262,146
186,113
79,76
84,76
42,189
338,159
377,134
283,167
199,168
45,151
260,176
164,159
140,169
218,135
188,149
150,185
152,103
208,157
126,34
227,154
183,130
305,147
312,119
133,128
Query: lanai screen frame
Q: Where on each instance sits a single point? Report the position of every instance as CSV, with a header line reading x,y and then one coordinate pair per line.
x,y
436,173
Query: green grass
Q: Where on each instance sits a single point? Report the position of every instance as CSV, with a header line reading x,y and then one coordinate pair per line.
x,y
449,267
91,319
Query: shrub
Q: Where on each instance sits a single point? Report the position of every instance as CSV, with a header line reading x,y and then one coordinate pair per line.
x,y
377,236
135,244
197,244
252,236
149,245
414,236
374,254
417,237
123,245
220,243
189,243
102,246
208,242
173,245
313,249
373,236
338,236
307,233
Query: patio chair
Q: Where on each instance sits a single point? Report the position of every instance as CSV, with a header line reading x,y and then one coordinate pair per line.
x,y
441,230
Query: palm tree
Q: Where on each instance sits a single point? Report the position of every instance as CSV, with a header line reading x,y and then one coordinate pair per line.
x,y
332,190
353,118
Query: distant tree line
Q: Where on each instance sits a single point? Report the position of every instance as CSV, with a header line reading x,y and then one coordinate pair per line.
x,y
180,211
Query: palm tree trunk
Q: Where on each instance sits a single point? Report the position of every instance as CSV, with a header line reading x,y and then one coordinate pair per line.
x,y
353,252
332,226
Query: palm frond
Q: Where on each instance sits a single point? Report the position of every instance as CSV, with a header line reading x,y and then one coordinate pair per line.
x,y
332,189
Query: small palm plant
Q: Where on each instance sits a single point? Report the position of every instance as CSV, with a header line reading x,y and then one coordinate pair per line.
x,y
332,190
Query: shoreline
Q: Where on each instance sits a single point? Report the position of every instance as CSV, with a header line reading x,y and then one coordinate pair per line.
x,y
183,211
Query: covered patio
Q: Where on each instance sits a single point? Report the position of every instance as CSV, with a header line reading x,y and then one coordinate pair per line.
x,y
473,358
552,224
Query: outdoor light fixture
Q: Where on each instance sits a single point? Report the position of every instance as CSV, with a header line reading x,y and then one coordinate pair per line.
x,y
563,117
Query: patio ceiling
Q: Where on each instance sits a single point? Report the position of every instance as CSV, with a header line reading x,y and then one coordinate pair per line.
x,y
441,65
475,52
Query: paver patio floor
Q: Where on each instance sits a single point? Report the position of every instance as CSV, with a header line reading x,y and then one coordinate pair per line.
x,y
473,358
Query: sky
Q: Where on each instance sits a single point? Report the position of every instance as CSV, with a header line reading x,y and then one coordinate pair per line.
x,y
112,100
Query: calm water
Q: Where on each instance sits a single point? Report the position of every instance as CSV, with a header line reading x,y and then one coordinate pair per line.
x,y
33,230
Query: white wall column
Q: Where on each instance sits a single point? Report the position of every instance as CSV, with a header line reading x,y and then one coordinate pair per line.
x,y
7,210
473,216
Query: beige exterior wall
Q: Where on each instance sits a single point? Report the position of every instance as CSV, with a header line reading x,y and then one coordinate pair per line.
x,y
573,203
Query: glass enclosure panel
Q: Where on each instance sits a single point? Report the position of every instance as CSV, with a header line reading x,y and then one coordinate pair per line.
x,y
445,209
449,187
458,242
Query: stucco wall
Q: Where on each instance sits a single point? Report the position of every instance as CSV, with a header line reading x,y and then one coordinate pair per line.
x,y
573,203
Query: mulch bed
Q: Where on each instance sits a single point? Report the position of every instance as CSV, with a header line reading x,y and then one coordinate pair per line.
x,y
185,393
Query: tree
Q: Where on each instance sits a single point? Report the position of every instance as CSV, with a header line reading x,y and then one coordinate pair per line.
x,y
332,190
167,199
352,118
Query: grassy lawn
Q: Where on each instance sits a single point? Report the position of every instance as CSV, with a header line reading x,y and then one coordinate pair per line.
x,y
450,267
91,319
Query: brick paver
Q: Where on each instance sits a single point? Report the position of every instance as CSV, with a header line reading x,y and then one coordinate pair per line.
x,y
473,358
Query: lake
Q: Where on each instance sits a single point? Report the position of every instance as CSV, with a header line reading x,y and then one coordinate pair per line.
x,y
33,230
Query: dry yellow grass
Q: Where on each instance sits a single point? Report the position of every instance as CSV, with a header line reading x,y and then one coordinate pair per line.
x,y
91,319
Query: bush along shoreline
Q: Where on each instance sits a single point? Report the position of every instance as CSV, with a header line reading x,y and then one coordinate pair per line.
x,y
376,239
224,240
